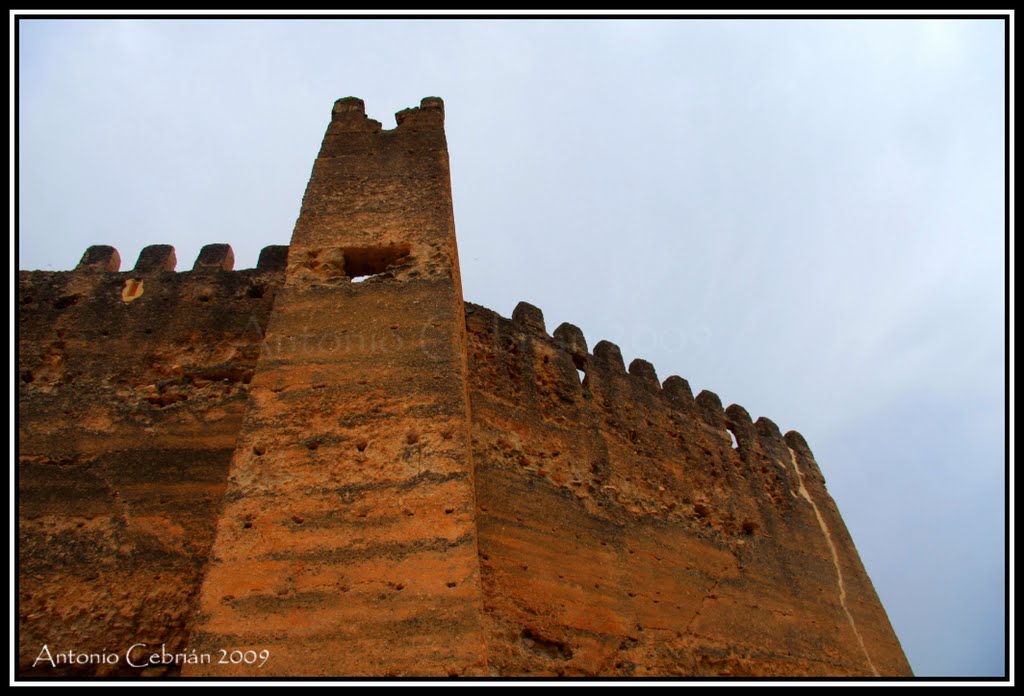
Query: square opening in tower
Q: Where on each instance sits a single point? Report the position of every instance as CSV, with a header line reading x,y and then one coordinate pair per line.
x,y
370,261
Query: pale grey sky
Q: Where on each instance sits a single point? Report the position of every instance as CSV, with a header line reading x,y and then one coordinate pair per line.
x,y
805,217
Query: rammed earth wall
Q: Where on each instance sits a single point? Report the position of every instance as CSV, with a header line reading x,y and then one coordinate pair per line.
x,y
342,478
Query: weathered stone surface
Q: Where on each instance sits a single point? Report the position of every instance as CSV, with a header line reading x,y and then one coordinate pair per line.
x,y
156,258
272,259
678,391
100,257
215,257
528,317
350,497
571,338
621,533
333,458
128,417
645,372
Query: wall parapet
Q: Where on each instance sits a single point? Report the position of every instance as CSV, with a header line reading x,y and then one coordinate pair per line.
x,y
675,391
162,258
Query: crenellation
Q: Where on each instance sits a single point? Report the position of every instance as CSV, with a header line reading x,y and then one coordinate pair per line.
x,y
677,390
273,259
742,426
349,115
429,115
709,406
529,318
754,440
607,353
100,258
796,442
768,430
346,106
571,339
770,438
644,372
156,258
162,258
215,257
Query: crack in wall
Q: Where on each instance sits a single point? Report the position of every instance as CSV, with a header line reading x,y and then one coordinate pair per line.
x,y
709,594
835,560
115,496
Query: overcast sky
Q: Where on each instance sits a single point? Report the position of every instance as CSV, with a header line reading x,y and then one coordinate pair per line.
x,y
805,217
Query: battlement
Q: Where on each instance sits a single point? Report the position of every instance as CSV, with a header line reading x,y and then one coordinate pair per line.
x,y
639,380
601,388
349,113
161,258
151,300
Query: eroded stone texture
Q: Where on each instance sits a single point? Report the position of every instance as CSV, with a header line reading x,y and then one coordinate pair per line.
x,y
348,540
128,416
332,458
621,533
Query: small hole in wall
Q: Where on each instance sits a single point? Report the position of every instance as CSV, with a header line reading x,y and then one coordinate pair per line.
x,y
549,648
579,361
65,302
361,445
365,262
732,436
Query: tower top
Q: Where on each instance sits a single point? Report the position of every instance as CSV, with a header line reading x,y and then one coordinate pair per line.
x,y
351,112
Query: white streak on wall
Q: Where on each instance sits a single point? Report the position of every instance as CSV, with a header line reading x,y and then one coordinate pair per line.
x,y
835,560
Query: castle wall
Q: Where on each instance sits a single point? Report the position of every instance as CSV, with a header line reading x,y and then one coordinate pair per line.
x,y
622,532
131,391
333,459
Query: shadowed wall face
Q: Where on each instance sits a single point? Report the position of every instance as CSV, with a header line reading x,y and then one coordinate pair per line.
x,y
347,545
132,387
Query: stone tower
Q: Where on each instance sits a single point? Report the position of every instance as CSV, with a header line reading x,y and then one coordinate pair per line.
x,y
348,536
334,463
